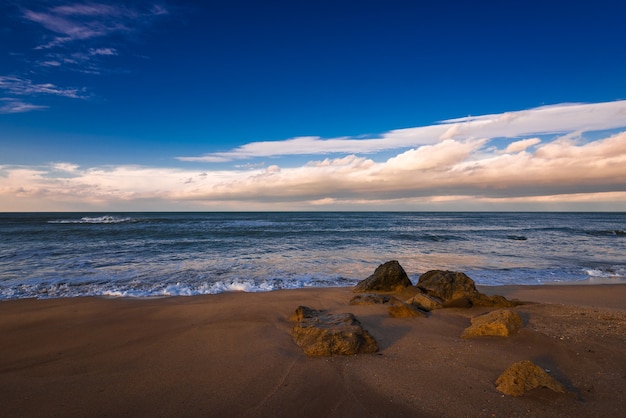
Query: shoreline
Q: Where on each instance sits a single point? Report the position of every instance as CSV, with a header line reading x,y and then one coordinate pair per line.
x,y
586,282
231,354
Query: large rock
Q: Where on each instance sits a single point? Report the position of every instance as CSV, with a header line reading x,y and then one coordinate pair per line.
x,y
521,377
388,277
457,290
501,323
447,285
322,334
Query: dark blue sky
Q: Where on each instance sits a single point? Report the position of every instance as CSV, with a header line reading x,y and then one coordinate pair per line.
x,y
145,82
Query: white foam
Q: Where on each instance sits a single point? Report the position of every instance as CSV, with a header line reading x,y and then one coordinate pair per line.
x,y
93,220
606,273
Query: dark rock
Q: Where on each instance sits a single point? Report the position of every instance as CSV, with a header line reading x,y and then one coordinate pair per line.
x,y
322,334
400,309
447,285
425,301
495,301
388,277
521,377
370,299
502,323
457,290
458,303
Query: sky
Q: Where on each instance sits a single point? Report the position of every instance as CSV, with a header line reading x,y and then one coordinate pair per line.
x,y
150,105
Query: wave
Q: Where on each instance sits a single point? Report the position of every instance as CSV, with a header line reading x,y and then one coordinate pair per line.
x,y
609,232
93,220
58,289
516,237
606,272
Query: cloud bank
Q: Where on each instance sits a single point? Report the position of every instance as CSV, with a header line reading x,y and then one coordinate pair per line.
x,y
544,120
555,158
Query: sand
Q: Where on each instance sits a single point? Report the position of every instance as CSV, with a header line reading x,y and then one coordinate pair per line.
x,y
232,355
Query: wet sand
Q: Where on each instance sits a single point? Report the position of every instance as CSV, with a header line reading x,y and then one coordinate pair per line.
x,y
232,355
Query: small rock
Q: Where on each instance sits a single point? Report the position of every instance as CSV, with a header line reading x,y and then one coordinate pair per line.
x,y
426,302
495,301
404,310
322,334
458,303
502,323
370,299
523,376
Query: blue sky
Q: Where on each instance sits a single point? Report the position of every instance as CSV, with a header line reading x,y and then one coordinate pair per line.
x,y
325,105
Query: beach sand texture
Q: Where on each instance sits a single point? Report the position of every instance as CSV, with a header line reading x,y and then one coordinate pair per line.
x,y
232,354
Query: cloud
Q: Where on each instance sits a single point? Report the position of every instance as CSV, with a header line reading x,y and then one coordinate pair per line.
x,y
542,120
17,106
103,51
519,146
25,87
569,170
83,21
75,37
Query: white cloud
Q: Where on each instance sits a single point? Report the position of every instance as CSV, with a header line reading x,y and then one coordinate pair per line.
x,y
65,167
17,106
542,120
82,21
103,51
92,9
439,157
25,87
454,173
519,146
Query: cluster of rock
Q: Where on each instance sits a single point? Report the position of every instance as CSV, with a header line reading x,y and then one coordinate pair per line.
x,y
435,289
322,334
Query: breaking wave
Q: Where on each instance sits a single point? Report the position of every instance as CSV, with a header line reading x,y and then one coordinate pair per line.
x,y
93,220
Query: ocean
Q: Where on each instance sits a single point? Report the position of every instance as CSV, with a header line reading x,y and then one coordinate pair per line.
x,y
49,255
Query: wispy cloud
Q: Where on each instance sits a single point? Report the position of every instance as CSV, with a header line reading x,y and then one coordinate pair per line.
x,y
77,37
83,21
542,120
17,106
88,62
103,51
25,87
458,172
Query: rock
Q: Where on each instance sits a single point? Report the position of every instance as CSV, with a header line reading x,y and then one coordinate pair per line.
x,y
502,323
388,277
303,312
521,377
458,303
370,299
404,310
457,290
322,334
495,301
426,302
447,285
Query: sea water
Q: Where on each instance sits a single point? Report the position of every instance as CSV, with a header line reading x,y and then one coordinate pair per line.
x,y
47,255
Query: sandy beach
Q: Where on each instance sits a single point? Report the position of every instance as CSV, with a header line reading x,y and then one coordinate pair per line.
x,y
232,354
